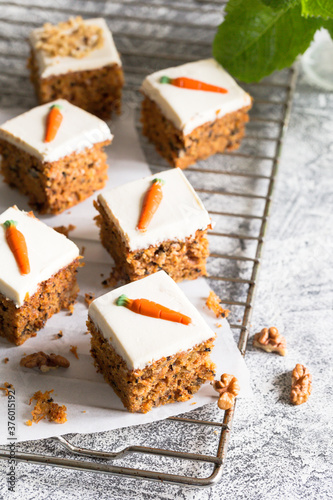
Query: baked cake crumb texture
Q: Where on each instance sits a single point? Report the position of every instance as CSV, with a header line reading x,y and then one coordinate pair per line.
x,y
77,60
147,357
59,174
45,407
175,240
28,300
213,303
190,124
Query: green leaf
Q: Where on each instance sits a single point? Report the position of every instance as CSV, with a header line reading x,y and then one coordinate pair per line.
x,y
280,4
329,26
315,8
254,40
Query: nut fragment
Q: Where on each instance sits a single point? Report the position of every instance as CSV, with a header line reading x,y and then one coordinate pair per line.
x,y
44,362
270,340
73,38
301,385
228,388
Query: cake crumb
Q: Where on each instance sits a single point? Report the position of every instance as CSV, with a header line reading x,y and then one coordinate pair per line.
x,y
70,310
28,423
114,278
46,408
215,432
218,325
213,303
5,360
83,411
58,335
194,403
83,250
6,387
89,298
73,350
65,230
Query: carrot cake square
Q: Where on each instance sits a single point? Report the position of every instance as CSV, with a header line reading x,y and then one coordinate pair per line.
x,y
77,60
193,111
37,274
150,343
55,172
175,239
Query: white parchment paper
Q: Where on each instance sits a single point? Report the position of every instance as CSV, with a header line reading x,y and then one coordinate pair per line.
x,y
91,404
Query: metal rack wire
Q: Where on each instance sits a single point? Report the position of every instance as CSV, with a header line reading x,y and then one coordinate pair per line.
x,y
250,171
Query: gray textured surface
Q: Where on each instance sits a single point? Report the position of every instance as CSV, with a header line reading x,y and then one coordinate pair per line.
x,y
276,451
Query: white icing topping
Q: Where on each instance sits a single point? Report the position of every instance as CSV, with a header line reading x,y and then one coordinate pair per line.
x,y
78,130
141,340
52,66
179,215
48,252
188,109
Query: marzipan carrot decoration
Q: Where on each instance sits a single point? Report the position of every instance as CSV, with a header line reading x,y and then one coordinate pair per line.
x,y
152,309
17,244
189,83
53,122
151,202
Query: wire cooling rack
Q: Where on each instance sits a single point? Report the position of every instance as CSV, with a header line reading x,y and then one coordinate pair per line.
x,y
236,187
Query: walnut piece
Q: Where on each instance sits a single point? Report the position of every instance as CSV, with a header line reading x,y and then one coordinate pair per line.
x,y
301,385
73,38
44,362
270,340
228,388
46,408
213,303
